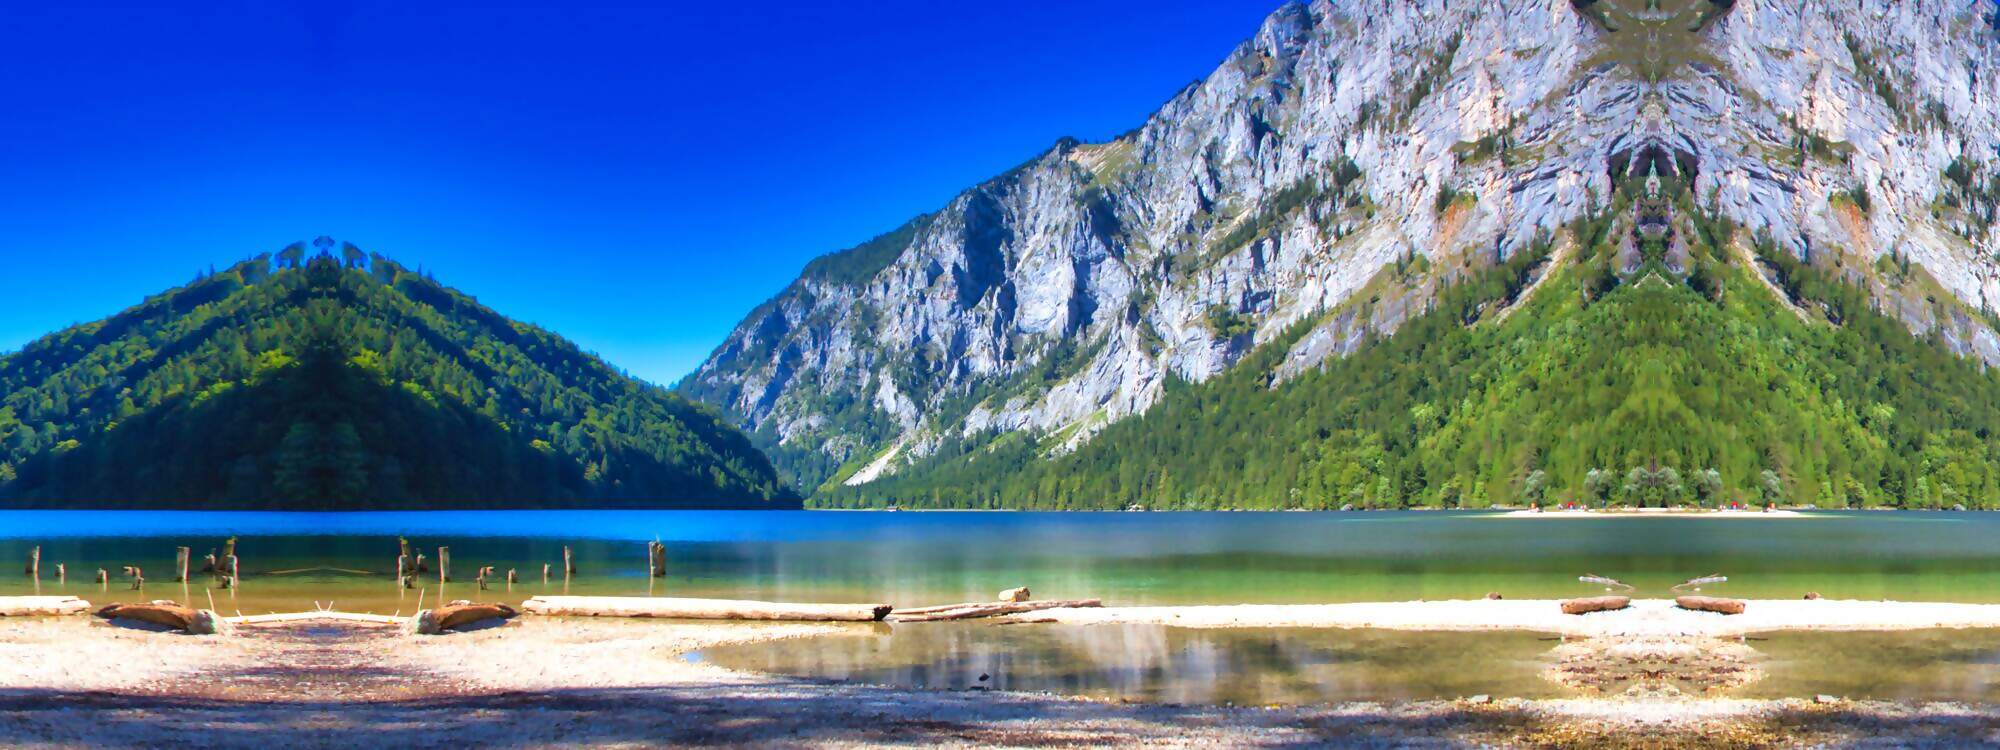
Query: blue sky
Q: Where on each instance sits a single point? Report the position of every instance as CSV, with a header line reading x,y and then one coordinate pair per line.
x,y
633,177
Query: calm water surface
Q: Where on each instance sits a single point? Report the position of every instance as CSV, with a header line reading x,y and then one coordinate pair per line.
x,y
293,560
1252,666
1923,665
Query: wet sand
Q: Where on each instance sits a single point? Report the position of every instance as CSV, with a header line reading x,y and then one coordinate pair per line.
x,y
535,682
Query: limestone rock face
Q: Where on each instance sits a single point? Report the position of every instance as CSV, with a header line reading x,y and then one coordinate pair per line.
x,y
1298,182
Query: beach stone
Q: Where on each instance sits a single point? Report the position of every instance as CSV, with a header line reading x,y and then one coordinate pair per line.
x,y
1493,596
1812,596
207,622
1824,699
1481,698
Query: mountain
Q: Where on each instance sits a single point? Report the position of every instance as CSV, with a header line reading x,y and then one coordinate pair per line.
x,y
349,383
1457,245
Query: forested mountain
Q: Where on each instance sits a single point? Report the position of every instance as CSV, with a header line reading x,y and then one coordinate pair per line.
x,y
349,382
1440,253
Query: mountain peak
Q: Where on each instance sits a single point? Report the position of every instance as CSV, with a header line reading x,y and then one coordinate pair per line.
x,y
321,376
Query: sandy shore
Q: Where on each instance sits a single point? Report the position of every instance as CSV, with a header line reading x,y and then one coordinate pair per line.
x,y
77,682
1646,617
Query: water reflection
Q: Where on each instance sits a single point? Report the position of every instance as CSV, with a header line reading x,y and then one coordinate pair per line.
x,y
1167,665
1918,665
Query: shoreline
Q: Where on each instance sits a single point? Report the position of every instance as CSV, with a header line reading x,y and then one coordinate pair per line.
x,y
1653,513
1645,618
618,682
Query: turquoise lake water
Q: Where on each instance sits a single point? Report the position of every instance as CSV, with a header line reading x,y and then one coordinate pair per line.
x,y
293,560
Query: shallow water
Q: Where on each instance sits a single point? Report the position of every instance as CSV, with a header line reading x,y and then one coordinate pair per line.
x,y
293,560
1150,663
1919,665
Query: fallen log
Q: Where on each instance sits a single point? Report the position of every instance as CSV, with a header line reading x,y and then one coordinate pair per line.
x,y
985,609
456,615
1595,604
163,612
41,606
1711,604
701,609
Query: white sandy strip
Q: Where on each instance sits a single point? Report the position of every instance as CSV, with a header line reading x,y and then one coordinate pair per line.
x,y
1653,513
1645,618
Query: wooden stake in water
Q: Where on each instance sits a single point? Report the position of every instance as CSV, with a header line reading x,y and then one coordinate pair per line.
x,y
444,565
181,564
513,577
62,574
545,572
103,576
402,566
569,564
35,562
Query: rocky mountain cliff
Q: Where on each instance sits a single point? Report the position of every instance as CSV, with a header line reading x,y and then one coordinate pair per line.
x,y
1345,164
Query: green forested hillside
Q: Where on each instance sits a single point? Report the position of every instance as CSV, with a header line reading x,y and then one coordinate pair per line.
x,y
1660,386
348,383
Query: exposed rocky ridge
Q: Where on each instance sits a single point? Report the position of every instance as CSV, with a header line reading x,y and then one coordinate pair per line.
x,y
1350,137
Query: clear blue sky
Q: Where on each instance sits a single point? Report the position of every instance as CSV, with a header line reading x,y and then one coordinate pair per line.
x,y
633,178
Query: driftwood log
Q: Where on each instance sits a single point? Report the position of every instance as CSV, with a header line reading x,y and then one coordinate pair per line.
x,y
984,609
1711,604
459,614
41,606
1595,604
163,612
701,609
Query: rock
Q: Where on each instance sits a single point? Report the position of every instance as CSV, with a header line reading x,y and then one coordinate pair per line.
x,y
1812,595
1824,699
1493,596
1481,698
207,622
1015,595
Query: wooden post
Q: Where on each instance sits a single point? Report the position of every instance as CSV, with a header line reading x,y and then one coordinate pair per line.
x,y
513,577
444,565
569,564
103,576
62,575
545,572
208,563
35,562
422,565
181,564
402,566
228,548
235,566
656,559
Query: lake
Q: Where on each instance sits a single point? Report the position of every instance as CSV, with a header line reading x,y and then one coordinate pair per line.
x,y
293,560
1155,664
